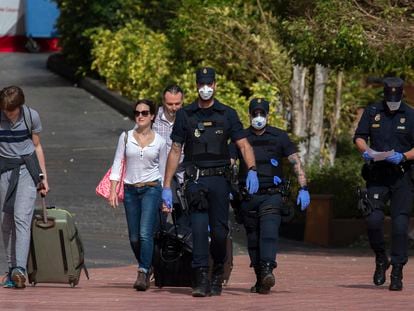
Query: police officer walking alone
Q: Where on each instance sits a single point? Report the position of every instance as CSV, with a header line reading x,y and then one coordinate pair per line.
x,y
388,126
261,212
203,128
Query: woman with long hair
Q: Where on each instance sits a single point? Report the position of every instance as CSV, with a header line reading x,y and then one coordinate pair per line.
x,y
145,157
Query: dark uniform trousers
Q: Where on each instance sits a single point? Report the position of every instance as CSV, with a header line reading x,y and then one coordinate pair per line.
x,y
214,218
400,193
262,230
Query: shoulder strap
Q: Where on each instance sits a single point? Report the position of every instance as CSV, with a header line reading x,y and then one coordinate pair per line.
x,y
372,111
27,117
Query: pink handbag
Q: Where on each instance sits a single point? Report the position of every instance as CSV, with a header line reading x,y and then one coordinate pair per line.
x,y
104,187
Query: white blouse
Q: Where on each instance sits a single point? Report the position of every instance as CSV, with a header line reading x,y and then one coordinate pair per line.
x,y
142,164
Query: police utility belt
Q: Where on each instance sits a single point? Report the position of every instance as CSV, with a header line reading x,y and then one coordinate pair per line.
x,y
193,172
262,191
379,171
270,190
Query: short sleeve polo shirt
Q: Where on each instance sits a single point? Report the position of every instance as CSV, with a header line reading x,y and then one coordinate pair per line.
x,y
15,139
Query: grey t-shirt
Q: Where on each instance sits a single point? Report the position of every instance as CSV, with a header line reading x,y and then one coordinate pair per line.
x,y
15,139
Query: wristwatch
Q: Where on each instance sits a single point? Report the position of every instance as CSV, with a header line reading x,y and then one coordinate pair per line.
x,y
252,168
404,158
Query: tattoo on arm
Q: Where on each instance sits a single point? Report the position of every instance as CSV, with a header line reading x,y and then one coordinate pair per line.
x,y
298,168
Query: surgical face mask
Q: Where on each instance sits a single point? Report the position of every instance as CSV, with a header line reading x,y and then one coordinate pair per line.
x,y
206,92
393,105
258,122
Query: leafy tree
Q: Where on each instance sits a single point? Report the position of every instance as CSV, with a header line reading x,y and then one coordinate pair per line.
x,y
233,39
338,36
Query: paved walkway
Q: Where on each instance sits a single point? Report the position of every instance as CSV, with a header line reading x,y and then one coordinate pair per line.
x,y
304,282
79,138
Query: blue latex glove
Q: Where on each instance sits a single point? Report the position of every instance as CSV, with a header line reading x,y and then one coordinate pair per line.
x,y
396,158
277,180
303,199
367,157
252,182
167,197
274,162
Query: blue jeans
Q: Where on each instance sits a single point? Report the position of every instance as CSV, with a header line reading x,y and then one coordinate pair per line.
x,y
142,210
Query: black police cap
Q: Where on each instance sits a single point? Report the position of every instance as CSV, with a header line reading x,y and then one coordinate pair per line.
x,y
259,104
393,89
205,75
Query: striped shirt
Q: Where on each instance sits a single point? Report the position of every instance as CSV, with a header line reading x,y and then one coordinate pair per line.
x,y
164,128
15,138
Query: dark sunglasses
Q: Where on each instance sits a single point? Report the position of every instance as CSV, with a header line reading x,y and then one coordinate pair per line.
x,y
144,113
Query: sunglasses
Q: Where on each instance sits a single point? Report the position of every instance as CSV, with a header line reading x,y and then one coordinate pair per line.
x,y
144,113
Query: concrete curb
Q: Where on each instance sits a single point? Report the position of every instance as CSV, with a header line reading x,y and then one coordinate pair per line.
x,y
57,64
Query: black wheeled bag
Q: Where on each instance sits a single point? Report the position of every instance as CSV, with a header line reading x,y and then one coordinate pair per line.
x,y
56,250
172,257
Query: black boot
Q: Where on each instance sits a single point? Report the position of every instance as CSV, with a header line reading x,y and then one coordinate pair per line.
x,y
396,277
217,280
267,279
381,265
256,287
201,283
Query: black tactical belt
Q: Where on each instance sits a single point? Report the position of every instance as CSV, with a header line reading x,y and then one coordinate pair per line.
x,y
270,190
213,171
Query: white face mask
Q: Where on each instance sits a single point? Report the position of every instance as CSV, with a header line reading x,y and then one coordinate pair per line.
x,y
393,105
258,122
206,92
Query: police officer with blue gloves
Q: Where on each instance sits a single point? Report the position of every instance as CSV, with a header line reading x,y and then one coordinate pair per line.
x,y
261,212
388,126
203,128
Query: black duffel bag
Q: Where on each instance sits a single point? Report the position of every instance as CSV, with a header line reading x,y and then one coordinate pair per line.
x,y
172,257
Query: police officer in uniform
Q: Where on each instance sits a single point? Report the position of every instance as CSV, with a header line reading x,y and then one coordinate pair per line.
x,y
203,128
388,126
261,212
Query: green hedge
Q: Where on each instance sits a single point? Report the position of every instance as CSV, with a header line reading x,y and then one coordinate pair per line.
x,y
341,180
78,17
133,60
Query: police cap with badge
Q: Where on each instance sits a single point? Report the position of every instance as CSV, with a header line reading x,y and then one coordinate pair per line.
x,y
205,75
258,104
393,92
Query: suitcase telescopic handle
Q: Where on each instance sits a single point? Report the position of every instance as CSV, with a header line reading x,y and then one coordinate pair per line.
x,y
44,211
47,222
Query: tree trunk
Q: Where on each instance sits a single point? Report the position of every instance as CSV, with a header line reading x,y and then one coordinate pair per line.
x,y
316,126
335,119
300,102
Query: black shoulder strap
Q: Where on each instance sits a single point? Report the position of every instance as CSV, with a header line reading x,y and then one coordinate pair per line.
x,y
372,111
27,118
